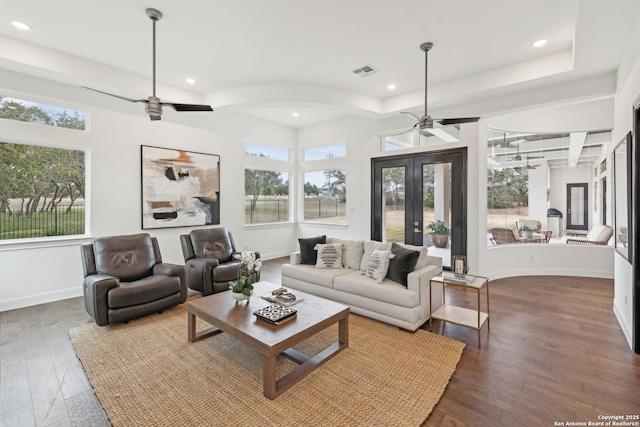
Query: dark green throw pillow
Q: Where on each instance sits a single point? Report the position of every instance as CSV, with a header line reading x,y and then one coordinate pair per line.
x,y
402,264
308,255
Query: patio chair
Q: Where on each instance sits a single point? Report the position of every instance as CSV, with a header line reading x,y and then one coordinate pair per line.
x,y
599,235
503,236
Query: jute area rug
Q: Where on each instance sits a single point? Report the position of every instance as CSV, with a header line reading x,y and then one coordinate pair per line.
x,y
146,373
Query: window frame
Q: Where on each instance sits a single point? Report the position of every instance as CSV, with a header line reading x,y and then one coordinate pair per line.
x,y
43,241
270,165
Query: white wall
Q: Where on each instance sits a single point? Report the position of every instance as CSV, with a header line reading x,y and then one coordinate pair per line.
x,y
32,273
628,92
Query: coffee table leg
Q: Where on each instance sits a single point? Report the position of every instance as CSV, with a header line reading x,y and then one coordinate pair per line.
x,y
343,332
269,376
191,326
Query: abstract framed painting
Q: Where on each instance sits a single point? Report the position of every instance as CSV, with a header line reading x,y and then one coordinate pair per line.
x,y
179,188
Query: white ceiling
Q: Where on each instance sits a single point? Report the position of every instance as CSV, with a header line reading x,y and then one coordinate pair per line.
x,y
273,58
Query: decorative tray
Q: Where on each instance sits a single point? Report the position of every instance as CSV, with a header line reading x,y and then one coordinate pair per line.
x,y
275,313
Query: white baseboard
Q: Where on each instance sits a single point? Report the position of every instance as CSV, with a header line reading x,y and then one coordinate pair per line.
x,y
626,328
30,300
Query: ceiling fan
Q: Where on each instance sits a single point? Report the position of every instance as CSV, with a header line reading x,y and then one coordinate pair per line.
x,y
425,123
527,166
153,104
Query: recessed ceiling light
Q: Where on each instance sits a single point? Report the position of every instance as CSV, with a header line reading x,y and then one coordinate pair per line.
x,y
295,115
391,86
190,81
539,43
21,25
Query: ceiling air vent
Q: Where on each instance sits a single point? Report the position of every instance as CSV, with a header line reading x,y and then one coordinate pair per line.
x,y
364,71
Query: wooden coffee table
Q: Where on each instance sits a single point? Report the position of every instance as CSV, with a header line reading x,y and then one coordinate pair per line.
x,y
237,319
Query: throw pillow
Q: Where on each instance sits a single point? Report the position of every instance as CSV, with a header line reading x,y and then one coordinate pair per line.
x,y
378,264
402,264
308,255
352,251
329,255
422,259
369,246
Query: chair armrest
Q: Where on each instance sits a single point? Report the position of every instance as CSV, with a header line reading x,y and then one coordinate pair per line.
x,y
167,269
586,242
96,291
295,258
199,273
573,233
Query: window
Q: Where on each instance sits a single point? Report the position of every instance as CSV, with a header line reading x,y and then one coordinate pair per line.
x,y
266,184
42,114
325,196
266,196
325,152
258,150
529,177
42,191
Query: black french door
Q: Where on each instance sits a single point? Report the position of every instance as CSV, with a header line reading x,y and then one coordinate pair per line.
x,y
409,191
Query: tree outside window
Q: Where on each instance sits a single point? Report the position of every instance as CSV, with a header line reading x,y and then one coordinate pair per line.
x,y
42,191
266,196
325,196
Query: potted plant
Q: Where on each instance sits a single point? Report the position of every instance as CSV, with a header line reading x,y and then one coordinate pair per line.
x,y
250,265
242,289
439,233
527,232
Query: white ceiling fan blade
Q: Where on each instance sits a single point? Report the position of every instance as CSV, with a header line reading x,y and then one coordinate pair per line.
x,y
410,114
405,131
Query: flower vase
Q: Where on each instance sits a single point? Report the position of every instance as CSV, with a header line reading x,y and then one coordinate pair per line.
x,y
239,296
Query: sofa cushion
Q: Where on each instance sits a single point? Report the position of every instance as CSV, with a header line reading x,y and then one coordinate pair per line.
x,y
352,251
378,264
307,252
598,233
329,255
142,291
387,291
402,264
424,252
369,246
317,276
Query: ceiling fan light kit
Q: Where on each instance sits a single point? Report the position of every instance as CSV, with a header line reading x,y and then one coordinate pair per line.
x,y
153,104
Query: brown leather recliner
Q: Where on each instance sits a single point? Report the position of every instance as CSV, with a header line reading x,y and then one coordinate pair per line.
x,y
125,278
209,262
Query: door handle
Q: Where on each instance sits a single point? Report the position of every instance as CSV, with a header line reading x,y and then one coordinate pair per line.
x,y
417,230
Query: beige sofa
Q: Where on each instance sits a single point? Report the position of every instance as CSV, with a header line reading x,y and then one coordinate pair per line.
x,y
388,301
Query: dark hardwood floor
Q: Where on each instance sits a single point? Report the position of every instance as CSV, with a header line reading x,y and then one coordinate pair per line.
x,y
555,353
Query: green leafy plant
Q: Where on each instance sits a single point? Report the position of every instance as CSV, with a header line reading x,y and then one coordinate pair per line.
x,y
242,286
250,266
438,228
527,228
